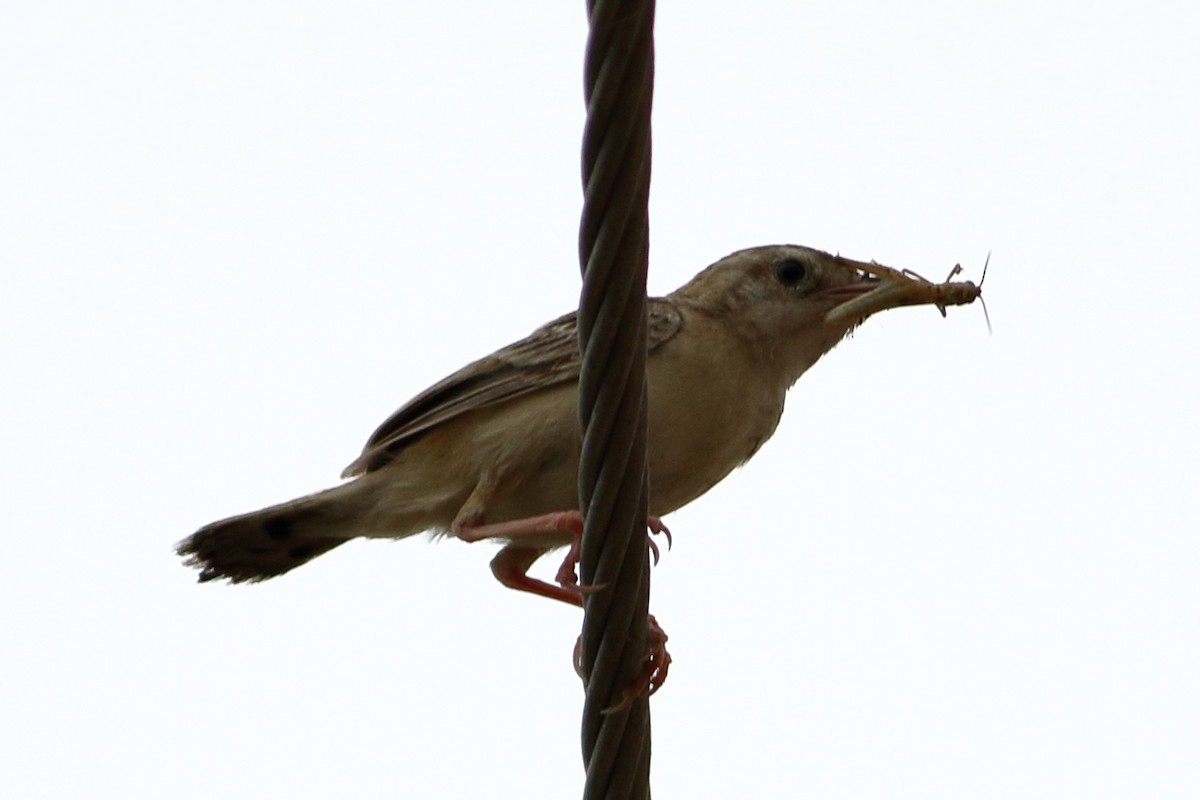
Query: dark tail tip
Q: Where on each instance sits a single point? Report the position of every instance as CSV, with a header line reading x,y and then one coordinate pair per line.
x,y
251,548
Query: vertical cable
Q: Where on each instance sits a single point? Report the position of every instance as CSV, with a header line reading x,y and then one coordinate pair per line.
x,y
613,252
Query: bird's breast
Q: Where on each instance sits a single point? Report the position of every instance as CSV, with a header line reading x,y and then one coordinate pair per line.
x,y
711,409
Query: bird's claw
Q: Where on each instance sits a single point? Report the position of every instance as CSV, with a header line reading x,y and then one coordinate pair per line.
x,y
654,670
568,574
656,526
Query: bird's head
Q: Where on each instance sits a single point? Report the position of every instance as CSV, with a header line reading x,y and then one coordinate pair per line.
x,y
795,303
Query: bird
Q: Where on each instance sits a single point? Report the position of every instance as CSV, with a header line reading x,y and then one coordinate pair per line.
x,y
492,451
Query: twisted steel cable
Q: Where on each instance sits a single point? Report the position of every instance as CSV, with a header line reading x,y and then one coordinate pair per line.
x,y
614,248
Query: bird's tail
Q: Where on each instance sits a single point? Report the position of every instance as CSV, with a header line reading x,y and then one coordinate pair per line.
x,y
266,543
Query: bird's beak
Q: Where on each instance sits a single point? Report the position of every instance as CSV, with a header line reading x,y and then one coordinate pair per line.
x,y
878,288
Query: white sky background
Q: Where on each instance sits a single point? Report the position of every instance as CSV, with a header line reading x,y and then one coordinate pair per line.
x,y
235,236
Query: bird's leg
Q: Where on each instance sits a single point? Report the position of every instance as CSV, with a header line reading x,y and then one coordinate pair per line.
x,y
562,521
511,567
567,574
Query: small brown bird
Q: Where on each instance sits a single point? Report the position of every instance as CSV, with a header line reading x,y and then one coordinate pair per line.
x,y
492,451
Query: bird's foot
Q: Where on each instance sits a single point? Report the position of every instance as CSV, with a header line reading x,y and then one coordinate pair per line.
x,y
654,669
562,521
656,526
568,576
511,566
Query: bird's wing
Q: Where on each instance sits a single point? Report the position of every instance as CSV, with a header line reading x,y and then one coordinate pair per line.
x,y
547,357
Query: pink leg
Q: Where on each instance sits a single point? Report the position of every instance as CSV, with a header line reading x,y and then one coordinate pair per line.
x,y
511,567
567,575
563,521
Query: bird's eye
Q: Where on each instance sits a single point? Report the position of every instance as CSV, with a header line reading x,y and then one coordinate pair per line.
x,y
789,272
